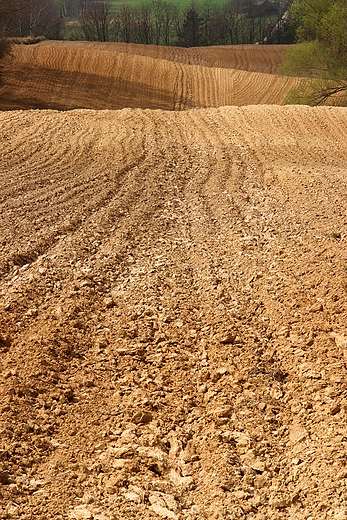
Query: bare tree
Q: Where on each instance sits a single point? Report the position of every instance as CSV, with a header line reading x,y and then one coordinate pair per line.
x,y
157,7
171,20
207,13
125,20
69,8
5,46
251,22
35,11
32,18
144,27
83,4
5,50
160,22
233,20
219,27
96,21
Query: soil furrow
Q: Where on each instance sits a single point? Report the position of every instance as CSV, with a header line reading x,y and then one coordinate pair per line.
x,y
177,347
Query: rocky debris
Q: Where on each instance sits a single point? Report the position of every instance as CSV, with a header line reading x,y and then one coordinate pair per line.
x,y
32,313
4,342
5,477
222,412
163,505
335,408
163,512
218,373
109,303
201,390
317,307
81,513
124,452
280,503
142,417
297,433
228,337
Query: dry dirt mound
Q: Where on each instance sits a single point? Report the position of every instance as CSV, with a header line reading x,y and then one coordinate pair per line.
x,y
66,75
173,314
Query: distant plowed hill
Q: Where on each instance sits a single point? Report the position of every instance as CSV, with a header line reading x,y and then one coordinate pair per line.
x,y
66,75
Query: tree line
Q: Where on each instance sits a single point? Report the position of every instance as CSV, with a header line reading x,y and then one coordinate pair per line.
x,y
153,22
162,23
30,18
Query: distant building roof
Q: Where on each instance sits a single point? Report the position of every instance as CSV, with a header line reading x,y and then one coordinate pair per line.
x,y
267,8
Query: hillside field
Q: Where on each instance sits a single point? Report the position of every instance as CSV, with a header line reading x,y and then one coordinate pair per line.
x,y
67,75
172,288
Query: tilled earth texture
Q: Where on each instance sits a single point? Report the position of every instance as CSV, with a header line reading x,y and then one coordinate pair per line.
x,y
66,75
173,314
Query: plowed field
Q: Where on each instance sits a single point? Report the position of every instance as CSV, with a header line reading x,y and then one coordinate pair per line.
x,y
173,312
66,75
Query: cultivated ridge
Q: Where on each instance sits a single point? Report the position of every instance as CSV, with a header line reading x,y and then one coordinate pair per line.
x,y
68,75
173,314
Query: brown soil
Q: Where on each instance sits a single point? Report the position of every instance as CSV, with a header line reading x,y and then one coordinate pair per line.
x,y
67,75
173,314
